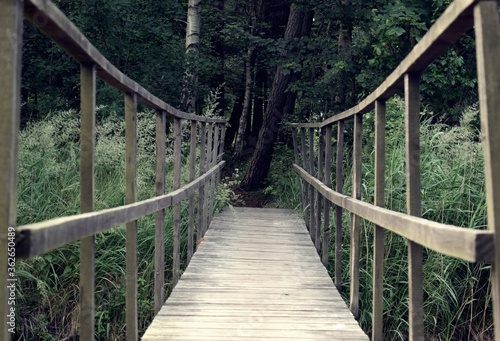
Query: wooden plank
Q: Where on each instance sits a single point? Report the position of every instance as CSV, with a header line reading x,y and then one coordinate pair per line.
x,y
11,33
177,207
36,239
62,31
413,202
449,27
306,187
326,205
224,294
319,199
201,192
87,151
378,237
339,184
192,170
462,243
131,197
312,220
213,182
356,220
208,161
159,286
487,28
297,160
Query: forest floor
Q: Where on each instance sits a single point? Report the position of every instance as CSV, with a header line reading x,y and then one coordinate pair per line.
x,y
250,199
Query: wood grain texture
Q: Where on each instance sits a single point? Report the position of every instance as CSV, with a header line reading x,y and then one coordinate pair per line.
x,y
131,233
339,184
248,288
87,151
305,165
64,32
463,243
11,32
312,218
378,235
414,204
201,191
326,204
319,198
159,285
487,27
192,174
177,206
356,220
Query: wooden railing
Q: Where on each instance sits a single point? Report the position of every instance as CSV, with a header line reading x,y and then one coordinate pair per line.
x,y
36,239
462,243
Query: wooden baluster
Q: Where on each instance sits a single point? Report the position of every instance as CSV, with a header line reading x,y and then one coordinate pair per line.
x,y
487,27
319,197
87,150
213,177
355,220
159,286
208,186
201,190
131,197
11,33
296,155
339,184
305,166
221,149
378,247
413,202
312,228
192,170
326,204
177,207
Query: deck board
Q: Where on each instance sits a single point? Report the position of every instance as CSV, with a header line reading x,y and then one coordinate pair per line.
x,y
256,276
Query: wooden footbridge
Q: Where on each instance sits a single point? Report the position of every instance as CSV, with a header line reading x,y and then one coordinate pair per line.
x,y
257,274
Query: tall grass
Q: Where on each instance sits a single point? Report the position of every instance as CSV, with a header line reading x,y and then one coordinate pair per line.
x,y
49,187
456,294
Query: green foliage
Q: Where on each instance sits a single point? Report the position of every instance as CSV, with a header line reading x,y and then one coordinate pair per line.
x,y
49,187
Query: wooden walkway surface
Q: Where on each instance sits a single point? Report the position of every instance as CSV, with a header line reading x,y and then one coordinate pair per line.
x,y
257,276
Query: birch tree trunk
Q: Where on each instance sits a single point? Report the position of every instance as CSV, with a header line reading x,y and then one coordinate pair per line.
x,y
193,29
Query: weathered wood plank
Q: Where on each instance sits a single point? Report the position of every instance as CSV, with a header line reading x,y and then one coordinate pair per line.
x,y
339,184
131,197
326,204
245,288
192,170
413,203
305,166
462,243
378,242
201,192
87,151
177,207
11,32
159,286
487,27
312,220
319,198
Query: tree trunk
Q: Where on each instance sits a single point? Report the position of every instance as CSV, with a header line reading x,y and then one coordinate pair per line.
x,y
193,30
258,105
242,128
299,24
218,78
234,121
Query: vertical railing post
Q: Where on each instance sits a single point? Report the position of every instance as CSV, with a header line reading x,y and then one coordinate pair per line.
x,y
159,286
413,203
208,186
201,191
11,33
192,169
213,177
487,27
312,220
296,155
131,197
339,184
326,204
305,166
177,206
87,149
319,197
356,220
378,247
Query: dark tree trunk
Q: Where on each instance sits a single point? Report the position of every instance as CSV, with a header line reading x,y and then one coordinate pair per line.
x,y
218,43
258,107
299,24
234,121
